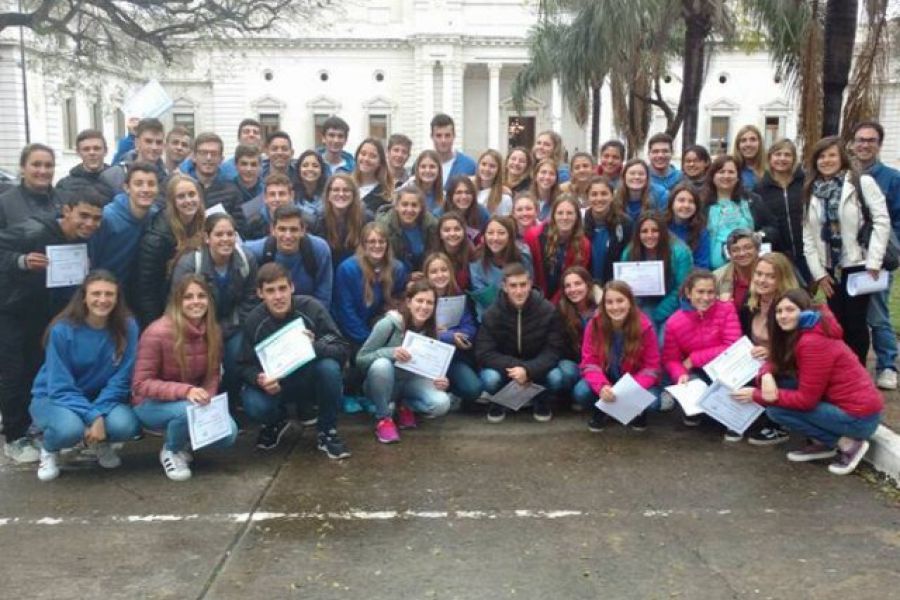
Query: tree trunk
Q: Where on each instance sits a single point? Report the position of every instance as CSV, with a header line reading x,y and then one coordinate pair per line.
x,y
840,35
698,24
595,118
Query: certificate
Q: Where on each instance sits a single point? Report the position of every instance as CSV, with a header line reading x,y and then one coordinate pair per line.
x,y
735,366
148,102
430,357
689,395
449,311
514,396
209,423
631,400
68,265
736,416
862,283
286,350
645,278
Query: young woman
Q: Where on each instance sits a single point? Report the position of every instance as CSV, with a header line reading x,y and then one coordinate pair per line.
x,y
313,177
525,212
557,245
694,164
411,228
637,194
366,284
733,278
749,151
612,157
832,399
175,230
549,144
461,197
428,176
385,385
343,217
608,228
577,306
545,187
179,359
500,248
833,194
729,207
518,170
34,196
81,392
582,173
372,175
685,218
453,242
620,339
492,194
651,241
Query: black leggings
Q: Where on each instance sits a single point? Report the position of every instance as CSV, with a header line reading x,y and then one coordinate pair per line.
x,y
850,312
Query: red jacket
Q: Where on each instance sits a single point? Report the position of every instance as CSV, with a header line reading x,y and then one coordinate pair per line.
x,y
700,337
156,374
645,370
534,240
828,370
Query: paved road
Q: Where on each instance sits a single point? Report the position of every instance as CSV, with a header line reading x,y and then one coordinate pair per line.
x,y
460,509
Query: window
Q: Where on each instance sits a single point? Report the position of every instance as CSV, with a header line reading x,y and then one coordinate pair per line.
x,y
70,123
119,129
378,127
271,122
184,119
318,132
773,130
718,135
97,116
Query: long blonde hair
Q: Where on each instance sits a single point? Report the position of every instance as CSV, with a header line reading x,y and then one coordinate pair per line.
x,y
758,166
496,187
368,269
577,238
785,279
187,237
213,332
354,218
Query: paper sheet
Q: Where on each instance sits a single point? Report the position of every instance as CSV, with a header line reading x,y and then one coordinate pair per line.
x,y
645,278
736,416
688,396
148,102
514,396
430,357
209,423
631,400
862,283
286,350
449,311
734,366
68,265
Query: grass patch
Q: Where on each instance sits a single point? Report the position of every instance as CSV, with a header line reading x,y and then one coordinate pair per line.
x,y
894,304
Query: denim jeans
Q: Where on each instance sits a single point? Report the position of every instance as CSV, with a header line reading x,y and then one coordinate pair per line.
x,y
318,382
63,428
884,340
231,379
464,381
566,377
170,417
385,384
825,423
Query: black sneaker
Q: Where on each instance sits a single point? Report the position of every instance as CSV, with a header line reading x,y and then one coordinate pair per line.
x,y
496,413
598,421
270,435
331,444
768,436
639,423
542,412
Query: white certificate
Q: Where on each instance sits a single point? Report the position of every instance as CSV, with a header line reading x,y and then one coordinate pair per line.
x,y
209,423
689,395
735,366
68,265
631,400
736,416
430,358
148,102
645,278
286,350
449,311
218,209
862,283
514,396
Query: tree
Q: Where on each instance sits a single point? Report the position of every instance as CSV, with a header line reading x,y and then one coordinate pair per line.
x,y
840,39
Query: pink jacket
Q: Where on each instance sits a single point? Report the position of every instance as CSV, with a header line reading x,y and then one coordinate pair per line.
x,y
645,370
700,337
156,374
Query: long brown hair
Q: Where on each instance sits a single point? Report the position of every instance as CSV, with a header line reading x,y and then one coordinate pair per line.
x,y
758,165
213,333
430,327
453,286
529,163
461,258
437,188
187,237
569,312
472,214
577,238
510,254
354,218
783,344
554,191
697,222
496,187
383,174
602,326
623,195
636,250
386,276
616,213
710,192
812,169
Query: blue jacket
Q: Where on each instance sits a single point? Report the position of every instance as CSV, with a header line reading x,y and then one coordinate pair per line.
x,y
347,167
669,180
248,194
658,199
462,165
467,325
888,179
81,372
748,179
660,308
562,173
125,145
115,244
227,170
349,309
701,252
485,283
311,273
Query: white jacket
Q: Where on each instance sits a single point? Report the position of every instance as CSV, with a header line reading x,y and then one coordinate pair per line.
x,y
851,219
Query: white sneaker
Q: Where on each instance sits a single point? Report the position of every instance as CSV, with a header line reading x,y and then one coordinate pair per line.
x,y
186,456
174,465
887,380
106,455
22,450
48,469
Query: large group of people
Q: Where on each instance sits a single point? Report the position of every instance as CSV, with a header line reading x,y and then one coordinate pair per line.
x,y
195,259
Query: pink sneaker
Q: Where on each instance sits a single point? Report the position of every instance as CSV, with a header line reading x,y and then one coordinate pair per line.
x,y
386,431
406,418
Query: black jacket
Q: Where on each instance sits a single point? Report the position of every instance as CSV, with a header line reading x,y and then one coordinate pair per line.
x,y
786,206
260,324
20,203
23,291
79,182
530,337
151,280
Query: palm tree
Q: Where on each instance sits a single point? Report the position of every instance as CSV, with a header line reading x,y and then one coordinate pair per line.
x,y
840,37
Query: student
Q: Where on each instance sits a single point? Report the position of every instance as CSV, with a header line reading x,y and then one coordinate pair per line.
x,y
279,155
248,163
306,258
733,278
662,171
179,359
749,151
608,228
577,306
343,217
427,177
313,176
317,383
549,145
178,148
518,170
27,305
651,241
373,176
694,164
399,147
126,142
366,284
684,216
249,134
612,157
443,134
35,195
148,147
545,187
557,245
492,194
582,172
411,228
82,390
453,242
521,340
390,388
620,339
500,248
173,231
525,213
259,212
461,197
833,401
217,186
90,145
334,158
638,193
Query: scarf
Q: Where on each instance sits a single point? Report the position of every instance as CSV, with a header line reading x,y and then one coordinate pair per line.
x,y
828,192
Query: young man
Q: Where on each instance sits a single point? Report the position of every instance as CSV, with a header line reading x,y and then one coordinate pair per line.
x,y
662,171
306,257
217,189
334,137
148,147
317,383
279,155
91,148
258,212
178,148
249,131
867,139
27,306
520,339
248,160
398,151
443,134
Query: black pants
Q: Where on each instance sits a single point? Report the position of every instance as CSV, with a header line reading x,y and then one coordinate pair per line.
x,y
850,312
21,355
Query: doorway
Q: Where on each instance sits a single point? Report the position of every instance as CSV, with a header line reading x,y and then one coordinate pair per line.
x,y
520,132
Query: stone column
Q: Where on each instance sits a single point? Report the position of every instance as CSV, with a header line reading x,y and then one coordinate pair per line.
x,y
494,105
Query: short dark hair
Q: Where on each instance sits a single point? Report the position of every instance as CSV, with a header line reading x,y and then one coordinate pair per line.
x,y
871,125
514,270
141,166
661,138
246,122
335,122
742,234
178,130
270,273
89,196
613,144
246,151
279,134
89,134
154,125
442,120
207,137
399,139
288,211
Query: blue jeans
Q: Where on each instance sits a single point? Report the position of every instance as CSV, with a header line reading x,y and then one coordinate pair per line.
x,y
385,384
231,380
884,340
566,377
318,382
171,418
63,428
825,423
464,381
493,381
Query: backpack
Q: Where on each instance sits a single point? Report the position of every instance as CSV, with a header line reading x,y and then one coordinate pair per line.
x,y
244,267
